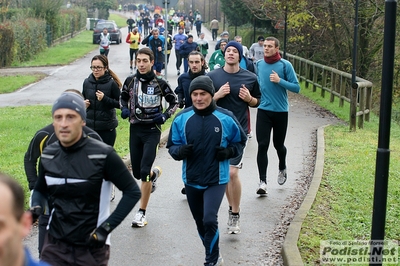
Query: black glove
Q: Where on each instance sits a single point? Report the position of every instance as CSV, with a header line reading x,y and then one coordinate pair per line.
x,y
181,103
160,119
125,113
36,211
224,153
98,237
185,151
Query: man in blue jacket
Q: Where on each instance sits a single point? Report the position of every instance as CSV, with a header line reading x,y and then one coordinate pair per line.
x,y
155,41
185,50
179,39
205,137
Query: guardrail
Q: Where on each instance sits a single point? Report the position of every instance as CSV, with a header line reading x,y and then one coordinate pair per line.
x,y
338,84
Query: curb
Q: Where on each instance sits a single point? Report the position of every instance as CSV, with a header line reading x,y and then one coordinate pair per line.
x,y
163,140
290,252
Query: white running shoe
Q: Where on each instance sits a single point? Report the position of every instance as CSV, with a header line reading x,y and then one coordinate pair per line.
x,y
234,226
220,261
262,188
139,220
282,176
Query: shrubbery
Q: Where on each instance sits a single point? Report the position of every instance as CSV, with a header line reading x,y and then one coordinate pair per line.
x,y
23,36
70,21
6,40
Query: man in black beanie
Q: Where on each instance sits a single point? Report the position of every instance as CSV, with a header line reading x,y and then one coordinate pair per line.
x,y
236,89
71,178
205,154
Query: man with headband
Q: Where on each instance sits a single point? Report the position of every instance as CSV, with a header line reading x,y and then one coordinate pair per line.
x,y
72,177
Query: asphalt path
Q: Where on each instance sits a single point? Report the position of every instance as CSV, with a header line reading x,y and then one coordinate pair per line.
x,y
170,238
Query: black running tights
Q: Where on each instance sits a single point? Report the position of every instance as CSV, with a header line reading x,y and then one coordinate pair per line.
x,y
265,123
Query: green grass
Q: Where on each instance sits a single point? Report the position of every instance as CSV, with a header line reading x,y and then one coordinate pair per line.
x,y
343,207
120,20
12,83
63,53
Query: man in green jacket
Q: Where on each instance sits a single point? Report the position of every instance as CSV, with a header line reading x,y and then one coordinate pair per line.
x,y
217,59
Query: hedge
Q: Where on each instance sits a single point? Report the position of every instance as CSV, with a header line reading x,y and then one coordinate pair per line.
x,y
23,37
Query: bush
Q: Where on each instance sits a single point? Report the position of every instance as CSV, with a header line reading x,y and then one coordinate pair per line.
x,y
12,14
30,38
6,40
69,21
25,38
22,36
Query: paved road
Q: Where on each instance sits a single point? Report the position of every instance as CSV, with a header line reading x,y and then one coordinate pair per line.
x,y
170,238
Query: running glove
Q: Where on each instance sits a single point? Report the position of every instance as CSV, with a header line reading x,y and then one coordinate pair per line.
x,y
182,103
98,237
224,153
125,113
160,119
185,151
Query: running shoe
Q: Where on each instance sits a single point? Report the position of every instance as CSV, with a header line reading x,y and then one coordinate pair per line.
x,y
139,220
234,226
282,176
262,188
156,174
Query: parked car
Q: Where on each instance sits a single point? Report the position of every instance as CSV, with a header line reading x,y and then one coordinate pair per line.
x,y
112,28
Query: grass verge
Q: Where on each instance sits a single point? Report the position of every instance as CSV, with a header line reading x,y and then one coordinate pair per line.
x,y
343,207
12,83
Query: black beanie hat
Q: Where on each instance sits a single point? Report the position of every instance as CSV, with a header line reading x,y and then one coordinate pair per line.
x,y
70,100
202,83
238,46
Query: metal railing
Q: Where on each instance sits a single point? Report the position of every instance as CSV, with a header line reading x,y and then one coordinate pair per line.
x,y
338,84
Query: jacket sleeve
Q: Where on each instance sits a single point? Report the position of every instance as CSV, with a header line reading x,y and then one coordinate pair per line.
x,y
211,62
117,172
31,157
179,90
171,98
182,50
292,84
112,101
146,40
174,141
39,193
128,38
124,97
